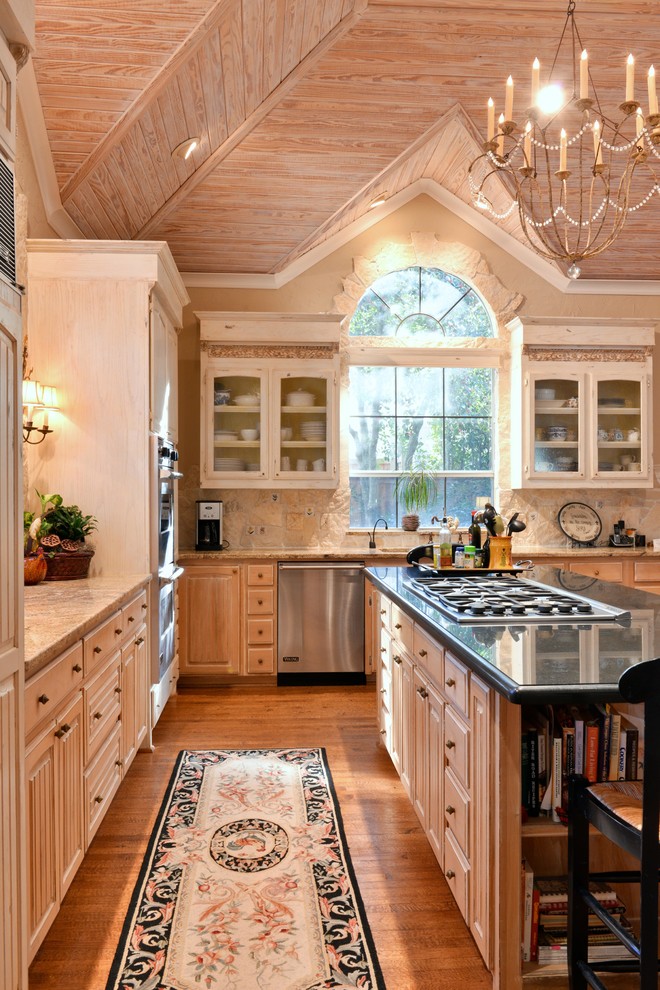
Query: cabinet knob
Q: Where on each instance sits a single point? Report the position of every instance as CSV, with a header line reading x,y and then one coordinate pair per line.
x,y
59,733
423,653
98,799
139,640
449,744
397,625
596,572
383,732
397,659
43,699
383,649
97,649
383,611
77,668
450,874
66,728
118,632
260,601
422,692
261,632
259,575
450,682
144,606
450,809
117,690
118,763
98,715
131,618
260,660
383,690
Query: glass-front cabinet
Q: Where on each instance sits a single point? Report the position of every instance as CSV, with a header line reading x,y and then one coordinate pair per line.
x,y
581,407
269,423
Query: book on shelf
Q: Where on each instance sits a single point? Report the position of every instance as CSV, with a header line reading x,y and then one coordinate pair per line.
x,y
556,784
528,897
615,736
605,726
553,892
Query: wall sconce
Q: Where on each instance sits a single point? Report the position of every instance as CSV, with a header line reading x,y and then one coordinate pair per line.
x,y
41,400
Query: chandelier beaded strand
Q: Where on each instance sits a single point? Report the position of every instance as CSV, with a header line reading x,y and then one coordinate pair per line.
x,y
572,173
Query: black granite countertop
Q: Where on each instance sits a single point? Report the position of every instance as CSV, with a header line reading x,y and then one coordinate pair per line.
x,y
542,663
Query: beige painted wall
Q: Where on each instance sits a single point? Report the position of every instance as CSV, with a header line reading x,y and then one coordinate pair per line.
x,y
314,291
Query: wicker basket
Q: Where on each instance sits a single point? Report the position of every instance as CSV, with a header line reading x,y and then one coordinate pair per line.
x,y
68,566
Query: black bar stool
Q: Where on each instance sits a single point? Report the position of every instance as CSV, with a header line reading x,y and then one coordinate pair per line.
x,y
627,813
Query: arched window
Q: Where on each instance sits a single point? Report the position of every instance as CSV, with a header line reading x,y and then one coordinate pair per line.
x,y
409,411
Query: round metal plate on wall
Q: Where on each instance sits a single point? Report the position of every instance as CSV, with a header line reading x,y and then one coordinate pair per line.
x,y
580,523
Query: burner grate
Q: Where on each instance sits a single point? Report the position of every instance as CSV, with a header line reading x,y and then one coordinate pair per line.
x,y
503,599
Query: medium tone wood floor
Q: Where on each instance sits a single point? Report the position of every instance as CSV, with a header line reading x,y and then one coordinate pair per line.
x,y
420,937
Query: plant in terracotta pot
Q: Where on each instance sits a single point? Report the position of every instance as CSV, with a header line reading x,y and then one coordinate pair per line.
x,y
34,561
61,531
417,489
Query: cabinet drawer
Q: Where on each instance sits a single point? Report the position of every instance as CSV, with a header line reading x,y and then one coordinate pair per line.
x,y
456,745
260,602
102,778
260,574
455,683
647,570
134,614
401,628
102,705
456,874
260,660
99,644
428,655
385,611
45,691
260,631
456,811
606,570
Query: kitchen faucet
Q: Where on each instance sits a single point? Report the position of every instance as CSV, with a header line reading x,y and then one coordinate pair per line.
x,y
372,540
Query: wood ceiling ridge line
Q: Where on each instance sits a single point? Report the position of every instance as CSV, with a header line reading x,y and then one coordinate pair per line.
x,y
163,77
257,115
453,114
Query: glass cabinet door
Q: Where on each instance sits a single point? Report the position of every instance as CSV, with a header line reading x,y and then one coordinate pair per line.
x,y
557,425
620,428
304,417
237,423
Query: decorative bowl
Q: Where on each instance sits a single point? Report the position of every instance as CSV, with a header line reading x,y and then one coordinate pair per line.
x,y
249,434
246,400
300,398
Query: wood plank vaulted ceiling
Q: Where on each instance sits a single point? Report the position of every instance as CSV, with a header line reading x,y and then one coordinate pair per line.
x,y
305,108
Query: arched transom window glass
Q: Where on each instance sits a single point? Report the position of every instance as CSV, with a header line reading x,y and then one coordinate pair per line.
x,y
437,415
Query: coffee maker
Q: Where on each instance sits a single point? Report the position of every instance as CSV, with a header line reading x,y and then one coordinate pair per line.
x,y
209,525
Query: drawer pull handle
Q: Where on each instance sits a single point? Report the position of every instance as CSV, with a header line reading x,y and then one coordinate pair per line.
x,y
450,682
60,733
66,728
98,715
139,640
43,699
97,649
77,668
259,575
383,611
383,649
383,732
450,809
260,601
397,659
450,874
118,632
117,690
98,799
144,606
450,744
397,625
423,653
422,692
131,618
118,763
383,690
260,660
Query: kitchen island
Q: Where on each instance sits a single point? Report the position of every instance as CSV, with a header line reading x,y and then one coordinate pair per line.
x,y
452,701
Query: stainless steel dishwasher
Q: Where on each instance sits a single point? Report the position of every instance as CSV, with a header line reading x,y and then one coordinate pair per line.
x,y
320,622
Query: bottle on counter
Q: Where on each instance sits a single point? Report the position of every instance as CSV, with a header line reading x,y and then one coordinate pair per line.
x,y
474,532
469,556
444,539
459,556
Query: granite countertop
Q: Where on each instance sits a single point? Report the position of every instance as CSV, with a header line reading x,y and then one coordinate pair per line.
x,y
189,555
542,662
58,613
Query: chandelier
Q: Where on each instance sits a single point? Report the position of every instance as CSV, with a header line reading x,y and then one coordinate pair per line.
x,y
572,173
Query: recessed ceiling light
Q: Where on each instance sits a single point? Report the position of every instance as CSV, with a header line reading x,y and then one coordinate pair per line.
x,y
378,201
186,148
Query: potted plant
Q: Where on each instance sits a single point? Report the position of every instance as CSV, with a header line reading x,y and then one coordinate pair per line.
x,y
58,534
417,489
34,561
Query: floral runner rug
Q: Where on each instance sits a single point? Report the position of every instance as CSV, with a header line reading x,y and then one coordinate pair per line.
x,y
247,883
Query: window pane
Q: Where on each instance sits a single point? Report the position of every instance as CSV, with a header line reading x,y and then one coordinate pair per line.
x,y
462,495
399,291
419,391
372,391
421,328
370,498
373,318
469,319
440,292
419,444
371,444
469,391
468,444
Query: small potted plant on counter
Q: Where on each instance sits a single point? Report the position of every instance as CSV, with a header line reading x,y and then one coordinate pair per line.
x,y
60,533
417,489
34,562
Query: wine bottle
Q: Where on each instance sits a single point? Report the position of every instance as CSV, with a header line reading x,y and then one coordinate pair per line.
x,y
475,532
444,539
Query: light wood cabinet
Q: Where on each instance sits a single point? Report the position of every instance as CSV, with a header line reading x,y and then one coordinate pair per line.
x,y
269,423
164,378
56,835
581,409
261,627
481,804
211,620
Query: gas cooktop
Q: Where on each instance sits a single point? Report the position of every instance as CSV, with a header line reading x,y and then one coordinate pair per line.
x,y
500,598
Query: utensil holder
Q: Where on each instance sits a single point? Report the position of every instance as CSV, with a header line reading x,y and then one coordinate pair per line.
x,y
500,551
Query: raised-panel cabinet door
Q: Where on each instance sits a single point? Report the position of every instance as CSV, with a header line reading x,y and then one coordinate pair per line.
x,y
142,686
420,776
42,837
70,752
435,805
129,698
164,343
482,803
211,620
406,702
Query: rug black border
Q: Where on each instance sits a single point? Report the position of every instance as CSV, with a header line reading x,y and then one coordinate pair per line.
x,y
111,983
